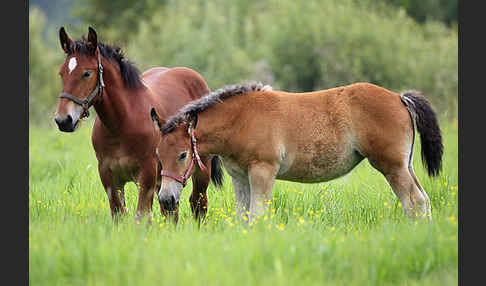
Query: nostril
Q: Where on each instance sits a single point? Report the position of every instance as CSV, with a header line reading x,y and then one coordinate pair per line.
x,y
65,123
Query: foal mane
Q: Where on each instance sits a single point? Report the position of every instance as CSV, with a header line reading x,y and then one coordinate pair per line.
x,y
197,106
128,71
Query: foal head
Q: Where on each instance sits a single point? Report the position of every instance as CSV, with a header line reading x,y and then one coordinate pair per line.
x,y
80,75
177,156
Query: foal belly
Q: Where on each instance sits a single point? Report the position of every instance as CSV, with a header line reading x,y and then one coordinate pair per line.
x,y
319,165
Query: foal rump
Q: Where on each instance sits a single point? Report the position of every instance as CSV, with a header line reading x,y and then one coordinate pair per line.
x,y
427,124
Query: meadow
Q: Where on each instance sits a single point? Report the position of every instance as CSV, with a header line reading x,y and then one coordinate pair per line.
x,y
349,231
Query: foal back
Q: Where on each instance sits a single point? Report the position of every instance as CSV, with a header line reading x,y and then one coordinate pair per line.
x,y
322,135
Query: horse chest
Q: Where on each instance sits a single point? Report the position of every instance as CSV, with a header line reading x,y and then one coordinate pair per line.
x,y
117,156
121,165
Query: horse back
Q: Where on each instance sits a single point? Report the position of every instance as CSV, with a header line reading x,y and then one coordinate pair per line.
x,y
173,88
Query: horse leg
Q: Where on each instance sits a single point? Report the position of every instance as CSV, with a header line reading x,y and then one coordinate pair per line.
x,y
261,177
242,196
114,192
199,196
147,182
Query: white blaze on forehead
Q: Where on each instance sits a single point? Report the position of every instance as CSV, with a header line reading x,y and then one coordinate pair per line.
x,y
72,64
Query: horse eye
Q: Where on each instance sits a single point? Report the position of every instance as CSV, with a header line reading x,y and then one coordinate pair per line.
x,y
182,156
87,74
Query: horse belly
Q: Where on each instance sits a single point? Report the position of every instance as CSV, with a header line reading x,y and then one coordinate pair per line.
x,y
320,163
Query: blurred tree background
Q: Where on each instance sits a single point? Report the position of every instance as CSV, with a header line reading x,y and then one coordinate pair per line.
x,y
292,45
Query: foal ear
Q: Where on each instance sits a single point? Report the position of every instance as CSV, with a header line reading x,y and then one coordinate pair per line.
x,y
65,40
156,119
92,39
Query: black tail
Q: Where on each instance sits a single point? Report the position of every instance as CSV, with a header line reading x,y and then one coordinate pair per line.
x,y
216,172
428,127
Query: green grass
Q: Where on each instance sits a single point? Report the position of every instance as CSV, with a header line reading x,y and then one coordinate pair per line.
x,y
350,231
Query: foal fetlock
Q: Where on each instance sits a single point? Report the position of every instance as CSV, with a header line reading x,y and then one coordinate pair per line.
x,y
421,207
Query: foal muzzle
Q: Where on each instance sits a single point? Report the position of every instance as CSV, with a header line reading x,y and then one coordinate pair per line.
x,y
169,202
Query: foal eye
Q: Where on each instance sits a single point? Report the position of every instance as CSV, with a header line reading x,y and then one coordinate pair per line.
x,y
86,74
182,156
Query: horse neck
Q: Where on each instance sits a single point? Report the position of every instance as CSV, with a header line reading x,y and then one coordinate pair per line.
x,y
117,100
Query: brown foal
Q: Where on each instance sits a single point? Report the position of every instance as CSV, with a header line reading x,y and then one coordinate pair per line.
x,y
263,134
124,139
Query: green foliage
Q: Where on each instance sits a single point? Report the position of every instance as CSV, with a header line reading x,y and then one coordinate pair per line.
x,y
425,10
349,231
117,19
292,45
303,46
44,83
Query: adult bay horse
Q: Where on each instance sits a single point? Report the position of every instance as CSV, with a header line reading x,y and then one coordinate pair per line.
x,y
124,139
263,134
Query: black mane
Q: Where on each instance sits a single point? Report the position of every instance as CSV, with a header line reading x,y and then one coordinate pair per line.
x,y
128,71
215,97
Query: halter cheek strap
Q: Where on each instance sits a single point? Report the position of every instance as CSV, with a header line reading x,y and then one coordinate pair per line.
x,y
195,157
86,103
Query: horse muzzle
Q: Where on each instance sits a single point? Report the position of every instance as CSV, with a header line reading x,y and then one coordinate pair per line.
x,y
66,123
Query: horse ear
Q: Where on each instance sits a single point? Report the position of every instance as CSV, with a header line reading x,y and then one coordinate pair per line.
x,y
65,40
92,39
156,119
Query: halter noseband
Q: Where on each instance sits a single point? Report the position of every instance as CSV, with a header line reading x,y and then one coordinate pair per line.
x,y
86,103
195,156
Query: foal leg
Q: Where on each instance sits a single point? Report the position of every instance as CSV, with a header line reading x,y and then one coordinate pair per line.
x,y
242,195
261,177
199,196
427,200
403,185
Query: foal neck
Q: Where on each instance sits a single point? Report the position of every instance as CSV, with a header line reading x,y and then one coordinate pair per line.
x,y
214,131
